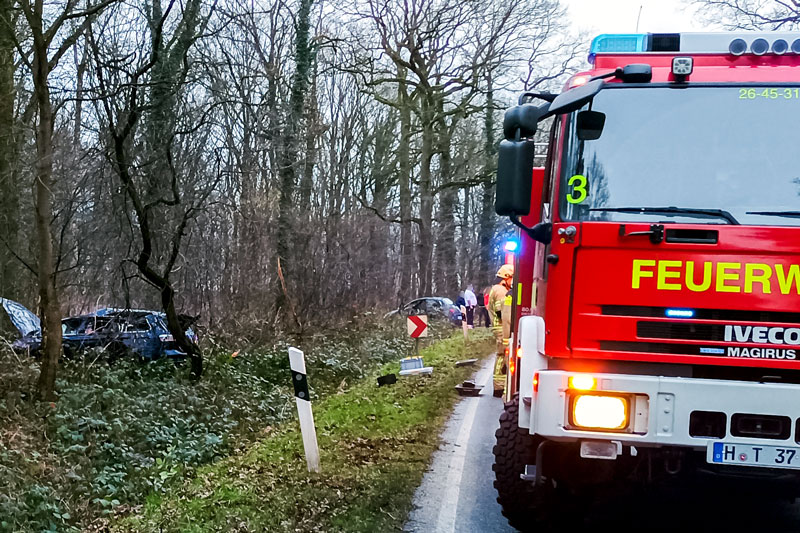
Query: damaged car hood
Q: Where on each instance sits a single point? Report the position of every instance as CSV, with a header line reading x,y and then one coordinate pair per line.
x,y
23,319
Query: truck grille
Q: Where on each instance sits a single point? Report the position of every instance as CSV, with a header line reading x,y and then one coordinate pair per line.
x,y
650,347
752,337
730,315
680,330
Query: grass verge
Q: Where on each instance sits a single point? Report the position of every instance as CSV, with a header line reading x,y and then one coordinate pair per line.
x,y
375,444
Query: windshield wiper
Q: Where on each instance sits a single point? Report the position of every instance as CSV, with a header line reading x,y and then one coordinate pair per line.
x,y
672,210
788,214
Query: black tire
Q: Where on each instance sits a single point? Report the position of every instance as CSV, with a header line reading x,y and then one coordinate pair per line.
x,y
526,507
514,449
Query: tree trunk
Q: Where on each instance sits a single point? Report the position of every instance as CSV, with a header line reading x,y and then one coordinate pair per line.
x,y
43,199
446,270
312,123
80,70
487,220
379,232
446,254
425,247
9,188
404,182
290,153
467,250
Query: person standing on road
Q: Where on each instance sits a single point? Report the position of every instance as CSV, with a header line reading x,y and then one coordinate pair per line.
x,y
461,304
481,314
472,302
501,323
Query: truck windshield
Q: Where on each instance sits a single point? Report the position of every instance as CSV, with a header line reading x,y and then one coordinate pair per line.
x,y
687,150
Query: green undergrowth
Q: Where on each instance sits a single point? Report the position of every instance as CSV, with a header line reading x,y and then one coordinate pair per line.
x,y
375,445
123,433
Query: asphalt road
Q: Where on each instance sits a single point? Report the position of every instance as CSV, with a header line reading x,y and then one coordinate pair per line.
x,y
456,494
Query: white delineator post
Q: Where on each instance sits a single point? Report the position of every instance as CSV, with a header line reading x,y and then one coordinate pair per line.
x,y
298,365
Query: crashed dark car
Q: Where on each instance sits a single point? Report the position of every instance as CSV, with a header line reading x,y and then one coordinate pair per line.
x,y
433,306
143,333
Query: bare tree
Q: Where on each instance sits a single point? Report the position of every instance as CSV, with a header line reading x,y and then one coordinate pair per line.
x,y
164,198
290,152
447,54
9,188
45,57
752,14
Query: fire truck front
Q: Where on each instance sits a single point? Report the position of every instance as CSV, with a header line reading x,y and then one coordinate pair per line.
x,y
663,338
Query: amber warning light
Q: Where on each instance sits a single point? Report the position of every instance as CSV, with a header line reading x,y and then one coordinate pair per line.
x,y
581,382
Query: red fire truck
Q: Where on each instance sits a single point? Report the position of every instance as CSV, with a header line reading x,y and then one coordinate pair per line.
x,y
657,297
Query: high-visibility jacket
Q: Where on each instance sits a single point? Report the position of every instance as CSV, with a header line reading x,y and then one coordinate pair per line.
x,y
500,310
505,314
496,299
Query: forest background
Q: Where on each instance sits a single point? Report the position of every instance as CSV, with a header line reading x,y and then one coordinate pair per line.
x,y
266,165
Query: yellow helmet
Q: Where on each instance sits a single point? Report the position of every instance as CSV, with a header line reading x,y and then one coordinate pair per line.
x,y
506,271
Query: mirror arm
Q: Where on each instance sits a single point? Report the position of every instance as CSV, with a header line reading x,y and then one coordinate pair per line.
x,y
528,96
616,73
541,232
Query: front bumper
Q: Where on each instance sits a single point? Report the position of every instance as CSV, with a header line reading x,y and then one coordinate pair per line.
x,y
660,416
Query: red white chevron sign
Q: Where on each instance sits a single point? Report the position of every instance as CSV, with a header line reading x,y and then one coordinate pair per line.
x,y
418,326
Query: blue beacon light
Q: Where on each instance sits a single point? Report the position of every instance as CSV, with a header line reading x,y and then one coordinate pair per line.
x,y
511,246
680,313
617,43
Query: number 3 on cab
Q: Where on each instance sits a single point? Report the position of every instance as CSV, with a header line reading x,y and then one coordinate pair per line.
x,y
578,184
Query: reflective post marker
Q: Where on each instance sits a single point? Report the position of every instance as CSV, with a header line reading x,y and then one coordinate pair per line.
x,y
464,322
298,365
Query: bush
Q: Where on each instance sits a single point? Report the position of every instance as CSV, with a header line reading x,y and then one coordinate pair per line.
x,y
119,432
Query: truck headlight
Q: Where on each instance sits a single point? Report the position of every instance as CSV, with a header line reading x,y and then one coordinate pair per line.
x,y
593,411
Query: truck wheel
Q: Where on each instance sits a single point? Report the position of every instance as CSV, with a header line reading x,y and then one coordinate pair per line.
x,y
526,507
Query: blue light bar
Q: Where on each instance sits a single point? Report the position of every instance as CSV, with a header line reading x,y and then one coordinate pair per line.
x,y
735,43
679,313
511,246
609,43
615,43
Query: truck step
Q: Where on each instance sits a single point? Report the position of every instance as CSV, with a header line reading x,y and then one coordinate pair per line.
x,y
529,474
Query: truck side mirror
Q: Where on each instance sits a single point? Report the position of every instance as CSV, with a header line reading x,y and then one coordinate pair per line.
x,y
520,187
514,176
515,159
590,125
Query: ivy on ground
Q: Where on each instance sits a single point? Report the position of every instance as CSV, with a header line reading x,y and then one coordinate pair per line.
x,y
120,432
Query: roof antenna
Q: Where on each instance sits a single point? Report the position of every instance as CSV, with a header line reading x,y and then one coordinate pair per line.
x,y
638,17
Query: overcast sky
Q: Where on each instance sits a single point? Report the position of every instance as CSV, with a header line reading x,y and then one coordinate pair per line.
x,y
619,16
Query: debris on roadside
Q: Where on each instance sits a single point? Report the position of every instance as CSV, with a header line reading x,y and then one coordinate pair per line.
x,y
411,366
410,363
466,362
468,388
388,379
417,371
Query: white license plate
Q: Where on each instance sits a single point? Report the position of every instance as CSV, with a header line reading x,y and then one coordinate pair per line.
x,y
753,455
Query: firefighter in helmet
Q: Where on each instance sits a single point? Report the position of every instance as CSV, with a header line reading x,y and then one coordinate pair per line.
x,y
500,311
